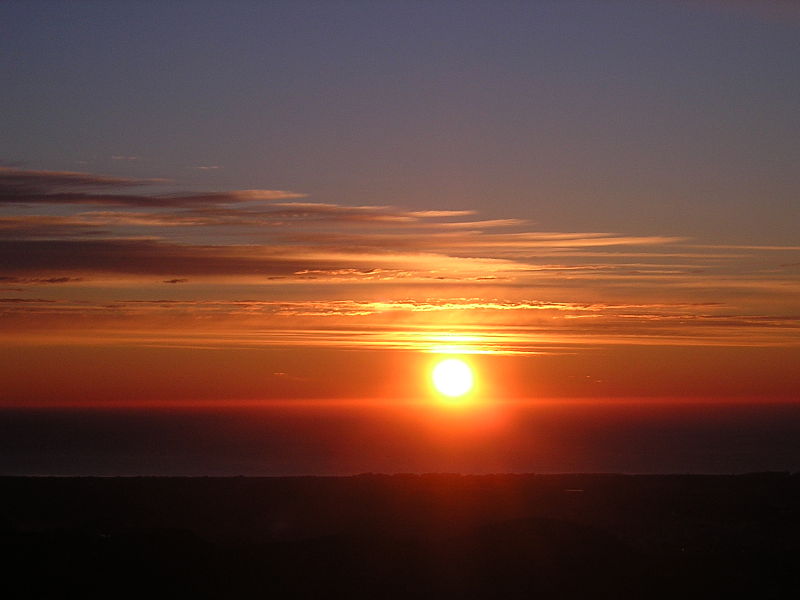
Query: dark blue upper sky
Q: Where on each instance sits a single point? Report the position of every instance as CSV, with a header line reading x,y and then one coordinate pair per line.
x,y
663,117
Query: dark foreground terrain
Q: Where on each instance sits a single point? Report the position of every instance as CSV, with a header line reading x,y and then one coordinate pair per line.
x,y
402,536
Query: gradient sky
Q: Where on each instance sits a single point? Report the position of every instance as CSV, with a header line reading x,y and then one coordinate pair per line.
x,y
268,203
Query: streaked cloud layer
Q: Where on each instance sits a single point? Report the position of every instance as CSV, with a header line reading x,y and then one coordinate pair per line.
x,y
84,261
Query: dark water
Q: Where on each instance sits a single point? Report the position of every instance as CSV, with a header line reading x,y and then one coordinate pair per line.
x,y
645,437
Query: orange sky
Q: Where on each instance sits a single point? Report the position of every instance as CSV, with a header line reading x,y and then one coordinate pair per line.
x,y
590,201
297,208
110,295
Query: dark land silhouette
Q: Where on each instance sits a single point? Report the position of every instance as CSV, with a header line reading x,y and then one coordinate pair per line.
x,y
402,536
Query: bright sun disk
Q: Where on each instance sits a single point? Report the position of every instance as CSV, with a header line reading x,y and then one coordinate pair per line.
x,y
452,377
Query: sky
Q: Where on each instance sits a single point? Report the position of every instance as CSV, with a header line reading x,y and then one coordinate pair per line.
x,y
298,208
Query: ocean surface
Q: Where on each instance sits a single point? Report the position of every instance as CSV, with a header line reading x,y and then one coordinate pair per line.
x,y
317,439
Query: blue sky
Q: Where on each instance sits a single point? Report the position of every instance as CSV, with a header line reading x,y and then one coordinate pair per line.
x,y
670,118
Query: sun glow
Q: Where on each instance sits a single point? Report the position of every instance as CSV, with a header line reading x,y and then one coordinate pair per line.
x,y
452,377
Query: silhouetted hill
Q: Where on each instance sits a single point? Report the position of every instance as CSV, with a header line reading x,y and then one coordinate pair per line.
x,y
377,536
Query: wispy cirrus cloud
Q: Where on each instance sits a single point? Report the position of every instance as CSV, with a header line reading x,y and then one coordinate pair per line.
x,y
45,226
286,237
365,270
39,280
537,327
148,257
22,181
19,186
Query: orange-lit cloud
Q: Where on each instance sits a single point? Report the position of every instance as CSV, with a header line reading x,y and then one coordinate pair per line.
x,y
263,268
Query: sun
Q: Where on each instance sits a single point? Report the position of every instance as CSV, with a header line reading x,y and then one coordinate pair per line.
x,y
452,377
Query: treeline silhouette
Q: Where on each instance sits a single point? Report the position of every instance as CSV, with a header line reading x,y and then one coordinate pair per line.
x,y
402,536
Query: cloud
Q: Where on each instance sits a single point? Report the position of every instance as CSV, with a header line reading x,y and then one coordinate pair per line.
x,y
474,242
441,213
139,257
148,257
15,180
39,280
25,300
260,235
365,271
212,211
40,226
537,327
18,186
